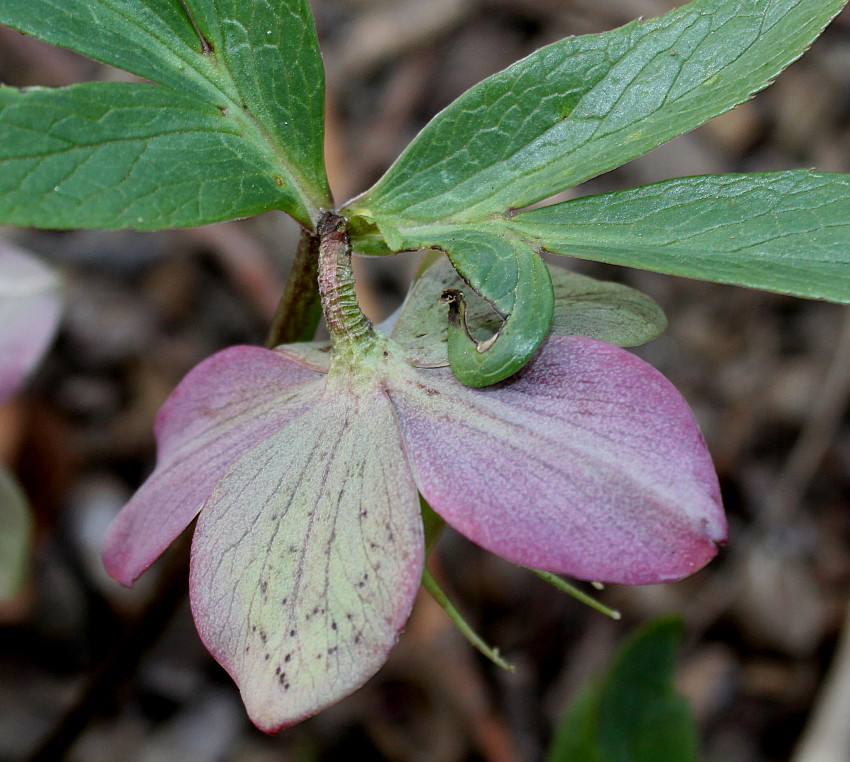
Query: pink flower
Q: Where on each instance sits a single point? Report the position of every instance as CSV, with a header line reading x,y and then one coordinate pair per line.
x,y
29,313
305,467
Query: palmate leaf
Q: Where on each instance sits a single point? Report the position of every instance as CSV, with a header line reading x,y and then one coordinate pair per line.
x,y
252,70
585,105
632,713
780,231
569,112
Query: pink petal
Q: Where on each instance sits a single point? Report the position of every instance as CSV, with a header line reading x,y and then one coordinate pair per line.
x,y
220,410
307,557
587,463
29,313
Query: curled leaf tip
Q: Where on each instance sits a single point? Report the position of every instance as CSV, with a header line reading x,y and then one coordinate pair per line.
x,y
458,322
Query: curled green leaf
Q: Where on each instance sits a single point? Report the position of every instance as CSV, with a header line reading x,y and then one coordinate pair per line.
x,y
515,282
583,306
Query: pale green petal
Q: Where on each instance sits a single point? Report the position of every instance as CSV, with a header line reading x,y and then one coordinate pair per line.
x,y
307,557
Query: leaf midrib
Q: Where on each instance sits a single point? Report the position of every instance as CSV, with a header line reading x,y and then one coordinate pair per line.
x,y
531,234
206,77
482,210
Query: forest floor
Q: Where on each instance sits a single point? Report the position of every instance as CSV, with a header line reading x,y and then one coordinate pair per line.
x,y
91,672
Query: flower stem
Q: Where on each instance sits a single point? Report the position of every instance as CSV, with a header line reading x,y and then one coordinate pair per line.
x,y
434,590
300,307
346,322
566,587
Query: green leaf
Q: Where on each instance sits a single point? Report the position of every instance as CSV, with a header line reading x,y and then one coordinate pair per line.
x,y
588,104
632,713
269,50
498,268
70,159
603,310
780,231
583,306
257,64
15,531
154,39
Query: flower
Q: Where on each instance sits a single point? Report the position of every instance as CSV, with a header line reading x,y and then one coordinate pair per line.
x,y
29,314
305,467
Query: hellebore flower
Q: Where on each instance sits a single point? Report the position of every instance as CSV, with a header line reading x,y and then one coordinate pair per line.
x,y
305,467
29,313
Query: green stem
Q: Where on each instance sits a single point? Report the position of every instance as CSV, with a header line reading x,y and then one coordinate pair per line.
x,y
566,587
434,590
432,524
300,307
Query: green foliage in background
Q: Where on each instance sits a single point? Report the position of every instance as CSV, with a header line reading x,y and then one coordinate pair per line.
x,y
632,712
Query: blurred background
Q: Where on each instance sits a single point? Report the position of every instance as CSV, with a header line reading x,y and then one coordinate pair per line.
x,y
90,671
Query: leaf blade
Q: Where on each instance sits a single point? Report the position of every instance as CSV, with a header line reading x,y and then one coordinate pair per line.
x,y
277,106
271,55
586,105
115,155
780,231
153,39
632,711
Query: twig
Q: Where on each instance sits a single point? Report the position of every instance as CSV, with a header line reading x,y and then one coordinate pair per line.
x,y
815,438
827,735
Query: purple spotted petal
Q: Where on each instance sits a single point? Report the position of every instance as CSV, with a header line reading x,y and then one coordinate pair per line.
x,y
29,313
223,407
587,463
307,557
